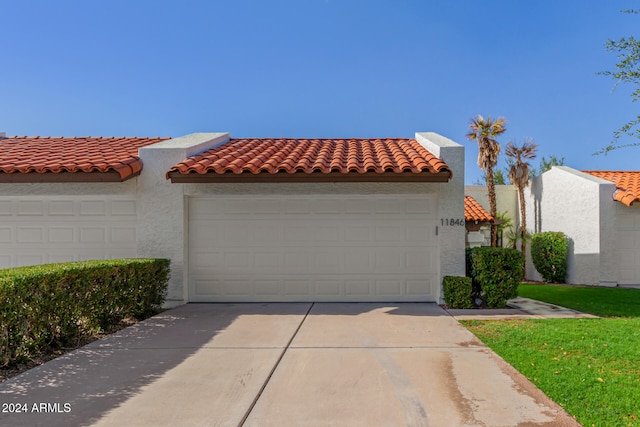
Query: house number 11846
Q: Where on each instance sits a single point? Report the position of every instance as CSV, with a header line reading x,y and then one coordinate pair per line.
x,y
451,221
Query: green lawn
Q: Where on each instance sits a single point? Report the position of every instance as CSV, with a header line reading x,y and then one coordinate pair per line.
x,y
589,366
608,302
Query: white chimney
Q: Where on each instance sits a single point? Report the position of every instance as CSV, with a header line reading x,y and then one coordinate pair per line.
x,y
3,135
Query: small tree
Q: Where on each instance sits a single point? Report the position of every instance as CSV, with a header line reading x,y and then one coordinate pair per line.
x,y
547,164
627,70
484,132
519,177
499,178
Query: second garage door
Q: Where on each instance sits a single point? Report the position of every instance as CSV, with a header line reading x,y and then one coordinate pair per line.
x,y
312,248
628,244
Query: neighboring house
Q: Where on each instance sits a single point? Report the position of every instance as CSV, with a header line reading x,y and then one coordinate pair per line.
x,y
243,219
507,204
596,210
477,223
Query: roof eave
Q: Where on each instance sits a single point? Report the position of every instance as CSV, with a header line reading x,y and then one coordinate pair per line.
x,y
62,177
213,177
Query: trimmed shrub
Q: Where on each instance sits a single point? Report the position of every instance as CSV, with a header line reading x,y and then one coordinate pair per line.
x,y
457,292
496,274
549,251
54,305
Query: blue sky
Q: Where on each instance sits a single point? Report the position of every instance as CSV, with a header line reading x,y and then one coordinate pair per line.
x,y
320,68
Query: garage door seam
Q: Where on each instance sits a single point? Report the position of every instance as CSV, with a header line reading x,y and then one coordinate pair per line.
x,y
275,366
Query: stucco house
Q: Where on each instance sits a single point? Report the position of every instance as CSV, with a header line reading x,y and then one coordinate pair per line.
x,y
477,223
597,211
250,219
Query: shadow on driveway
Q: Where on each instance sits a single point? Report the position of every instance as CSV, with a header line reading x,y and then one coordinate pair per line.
x,y
102,375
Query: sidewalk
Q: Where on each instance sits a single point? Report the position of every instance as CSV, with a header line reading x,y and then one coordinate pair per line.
x,y
520,308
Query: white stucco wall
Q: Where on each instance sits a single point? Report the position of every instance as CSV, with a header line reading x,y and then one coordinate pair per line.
x,y
451,204
581,206
161,216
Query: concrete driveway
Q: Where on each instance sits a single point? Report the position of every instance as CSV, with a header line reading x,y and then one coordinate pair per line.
x,y
294,364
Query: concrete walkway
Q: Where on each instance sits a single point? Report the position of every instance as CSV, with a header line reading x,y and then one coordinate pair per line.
x,y
297,364
521,308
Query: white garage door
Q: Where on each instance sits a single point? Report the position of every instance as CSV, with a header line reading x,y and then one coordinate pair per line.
x,y
46,229
628,244
313,248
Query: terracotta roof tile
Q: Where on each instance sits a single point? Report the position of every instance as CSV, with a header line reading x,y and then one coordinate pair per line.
x,y
27,155
473,211
308,156
627,184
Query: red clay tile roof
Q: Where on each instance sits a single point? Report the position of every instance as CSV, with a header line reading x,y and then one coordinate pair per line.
x,y
313,156
57,155
474,212
627,184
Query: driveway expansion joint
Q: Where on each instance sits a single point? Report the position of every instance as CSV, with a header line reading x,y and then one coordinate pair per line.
x,y
275,366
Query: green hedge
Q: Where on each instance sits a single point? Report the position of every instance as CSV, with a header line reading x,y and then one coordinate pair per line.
x,y
53,305
496,274
549,251
457,292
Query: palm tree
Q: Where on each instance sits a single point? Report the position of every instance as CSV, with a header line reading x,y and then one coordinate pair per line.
x,y
519,177
484,132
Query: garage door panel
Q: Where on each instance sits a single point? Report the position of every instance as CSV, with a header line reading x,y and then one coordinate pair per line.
x,y
47,229
389,206
389,288
358,207
418,233
267,234
420,287
296,233
297,262
389,233
327,261
421,206
357,288
357,233
6,235
203,237
30,207
205,259
268,288
61,208
235,260
418,261
328,288
271,261
627,244
207,287
297,288
61,235
312,248
358,259
6,208
326,233
387,261
236,287
324,206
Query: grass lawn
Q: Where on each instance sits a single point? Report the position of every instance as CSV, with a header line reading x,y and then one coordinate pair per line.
x,y
589,366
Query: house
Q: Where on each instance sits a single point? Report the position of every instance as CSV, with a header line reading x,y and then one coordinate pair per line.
x,y
249,219
598,213
477,223
506,206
